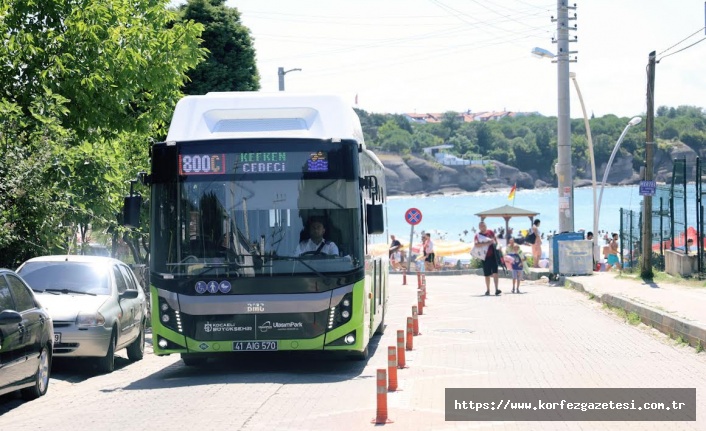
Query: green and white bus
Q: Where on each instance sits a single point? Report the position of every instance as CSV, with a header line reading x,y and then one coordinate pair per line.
x,y
232,189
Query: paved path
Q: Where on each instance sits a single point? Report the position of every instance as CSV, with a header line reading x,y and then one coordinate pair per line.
x,y
675,309
548,337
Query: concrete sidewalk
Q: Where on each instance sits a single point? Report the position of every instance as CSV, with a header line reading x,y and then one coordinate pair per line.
x,y
674,309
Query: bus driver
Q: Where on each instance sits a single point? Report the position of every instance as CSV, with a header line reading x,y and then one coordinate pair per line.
x,y
316,244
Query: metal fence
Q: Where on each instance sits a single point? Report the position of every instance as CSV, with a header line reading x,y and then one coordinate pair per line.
x,y
672,222
630,238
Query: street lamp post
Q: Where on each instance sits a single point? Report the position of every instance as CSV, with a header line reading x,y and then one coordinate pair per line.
x,y
280,73
593,167
635,121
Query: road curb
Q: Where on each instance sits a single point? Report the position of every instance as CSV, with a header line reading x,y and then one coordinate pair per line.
x,y
664,322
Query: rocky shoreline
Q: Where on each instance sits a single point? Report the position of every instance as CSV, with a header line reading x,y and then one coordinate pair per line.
x,y
414,175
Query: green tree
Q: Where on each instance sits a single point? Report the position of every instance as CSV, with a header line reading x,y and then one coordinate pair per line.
x,y
230,64
392,138
421,140
87,83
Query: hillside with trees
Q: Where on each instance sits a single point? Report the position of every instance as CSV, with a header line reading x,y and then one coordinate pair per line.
x,y
529,142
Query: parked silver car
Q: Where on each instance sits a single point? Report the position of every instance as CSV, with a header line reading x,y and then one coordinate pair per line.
x,y
97,305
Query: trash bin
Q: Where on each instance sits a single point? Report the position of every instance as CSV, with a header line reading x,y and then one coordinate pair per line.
x,y
571,254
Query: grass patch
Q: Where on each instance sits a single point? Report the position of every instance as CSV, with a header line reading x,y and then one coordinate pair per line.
x,y
681,340
633,318
699,347
591,296
663,277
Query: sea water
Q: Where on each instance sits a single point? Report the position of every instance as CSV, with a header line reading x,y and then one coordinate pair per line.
x,y
452,217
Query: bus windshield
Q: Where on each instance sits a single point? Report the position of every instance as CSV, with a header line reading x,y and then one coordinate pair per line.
x,y
226,224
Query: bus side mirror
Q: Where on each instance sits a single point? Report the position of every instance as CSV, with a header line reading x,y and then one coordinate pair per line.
x,y
131,211
375,219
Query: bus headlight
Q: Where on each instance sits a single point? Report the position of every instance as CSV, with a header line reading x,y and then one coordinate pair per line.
x,y
169,317
342,312
349,339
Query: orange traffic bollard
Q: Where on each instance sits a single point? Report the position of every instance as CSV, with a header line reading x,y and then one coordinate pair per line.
x,y
420,303
415,321
419,279
423,296
392,368
409,333
404,276
381,416
400,350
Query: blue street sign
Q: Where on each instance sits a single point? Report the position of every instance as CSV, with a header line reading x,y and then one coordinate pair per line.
x,y
648,188
413,216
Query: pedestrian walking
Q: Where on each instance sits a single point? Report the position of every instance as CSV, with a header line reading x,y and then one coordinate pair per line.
x,y
429,253
515,258
486,238
537,246
395,253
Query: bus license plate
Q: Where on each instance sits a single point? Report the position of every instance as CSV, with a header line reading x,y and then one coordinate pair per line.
x,y
57,337
252,346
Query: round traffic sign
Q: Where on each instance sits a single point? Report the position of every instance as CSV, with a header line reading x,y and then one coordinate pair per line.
x,y
413,216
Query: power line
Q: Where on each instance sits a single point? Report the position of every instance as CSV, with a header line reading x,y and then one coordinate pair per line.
x,y
676,52
689,36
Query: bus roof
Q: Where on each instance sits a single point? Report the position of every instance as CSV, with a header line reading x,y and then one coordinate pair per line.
x,y
233,115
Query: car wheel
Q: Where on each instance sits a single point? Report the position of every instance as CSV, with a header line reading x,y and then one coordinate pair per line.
x,y
191,360
41,378
106,364
136,349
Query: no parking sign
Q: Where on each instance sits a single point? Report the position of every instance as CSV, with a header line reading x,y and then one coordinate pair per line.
x,y
413,216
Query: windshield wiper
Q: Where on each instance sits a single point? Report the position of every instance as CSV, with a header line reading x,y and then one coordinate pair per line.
x,y
301,260
67,291
228,266
48,290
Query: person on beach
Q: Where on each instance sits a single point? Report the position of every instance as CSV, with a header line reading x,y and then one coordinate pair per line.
x,y
515,259
395,253
429,253
486,238
612,259
589,237
537,246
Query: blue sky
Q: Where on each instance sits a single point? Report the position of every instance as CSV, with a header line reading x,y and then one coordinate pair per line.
x,y
440,55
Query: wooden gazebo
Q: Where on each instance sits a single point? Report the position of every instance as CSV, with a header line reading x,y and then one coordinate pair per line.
x,y
507,212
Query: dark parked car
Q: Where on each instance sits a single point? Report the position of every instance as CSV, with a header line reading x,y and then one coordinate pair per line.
x,y
26,337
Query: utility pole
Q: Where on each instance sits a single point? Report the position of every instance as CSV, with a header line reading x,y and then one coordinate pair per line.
x,y
646,268
563,167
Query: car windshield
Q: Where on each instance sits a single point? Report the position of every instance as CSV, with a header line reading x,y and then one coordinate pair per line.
x,y
71,277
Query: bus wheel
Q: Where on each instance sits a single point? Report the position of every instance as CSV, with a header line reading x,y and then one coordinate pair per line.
x,y
381,329
360,356
191,360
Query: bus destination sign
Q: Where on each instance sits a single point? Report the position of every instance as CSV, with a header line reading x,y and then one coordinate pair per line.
x,y
253,163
